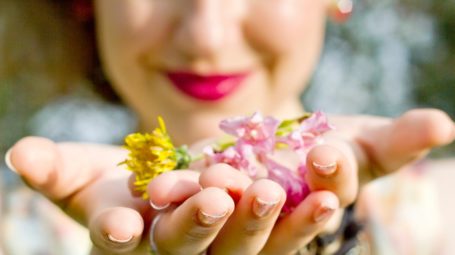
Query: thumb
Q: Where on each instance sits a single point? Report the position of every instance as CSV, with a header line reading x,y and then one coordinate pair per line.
x,y
35,160
395,144
59,170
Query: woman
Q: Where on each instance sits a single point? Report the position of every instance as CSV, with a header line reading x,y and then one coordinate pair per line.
x,y
196,63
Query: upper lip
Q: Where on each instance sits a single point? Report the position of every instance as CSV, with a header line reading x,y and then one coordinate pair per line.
x,y
213,75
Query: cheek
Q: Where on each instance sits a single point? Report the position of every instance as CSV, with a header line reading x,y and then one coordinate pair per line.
x,y
283,26
128,28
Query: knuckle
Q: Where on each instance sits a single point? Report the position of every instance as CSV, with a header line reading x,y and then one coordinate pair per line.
x,y
255,228
198,233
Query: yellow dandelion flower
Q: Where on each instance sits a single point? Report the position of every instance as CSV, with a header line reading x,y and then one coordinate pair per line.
x,y
150,155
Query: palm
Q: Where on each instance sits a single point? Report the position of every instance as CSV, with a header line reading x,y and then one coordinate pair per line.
x,y
85,181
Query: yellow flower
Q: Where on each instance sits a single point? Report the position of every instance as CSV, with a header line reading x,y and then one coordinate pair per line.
x,y
150,155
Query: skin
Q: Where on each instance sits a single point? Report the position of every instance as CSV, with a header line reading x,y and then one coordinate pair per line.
x,y
99,200
208,37
139,38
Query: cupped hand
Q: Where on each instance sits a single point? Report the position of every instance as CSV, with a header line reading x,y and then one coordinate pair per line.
x,y
84,180
361,149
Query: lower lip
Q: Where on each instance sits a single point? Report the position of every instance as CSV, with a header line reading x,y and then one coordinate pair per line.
x,y
206,87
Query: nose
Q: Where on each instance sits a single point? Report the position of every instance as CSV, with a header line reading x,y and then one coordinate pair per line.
x,y
203,28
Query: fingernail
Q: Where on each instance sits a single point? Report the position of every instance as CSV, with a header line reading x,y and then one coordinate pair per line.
x,y
323,212
263,208
325,169
158,207
210,219
8,161
117,240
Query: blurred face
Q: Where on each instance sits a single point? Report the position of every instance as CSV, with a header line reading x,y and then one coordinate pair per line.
x,y
195,61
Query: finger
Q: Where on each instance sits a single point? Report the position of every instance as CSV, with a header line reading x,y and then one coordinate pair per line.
x,y
395,143
35,159
225,177
116,230
248,229
59,170
133,191
102,194
193,225
332,167
80,178
301,226
172,187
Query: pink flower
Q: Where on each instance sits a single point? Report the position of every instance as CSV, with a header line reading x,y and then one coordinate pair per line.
x,y
302,169
308,134
238,157
316,125
294,140
257,131
295,186
257,140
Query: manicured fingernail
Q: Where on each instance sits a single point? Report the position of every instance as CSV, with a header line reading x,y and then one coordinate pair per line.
x,y
210,219
118,240
263,208
159,207
8,161
325,169
323,212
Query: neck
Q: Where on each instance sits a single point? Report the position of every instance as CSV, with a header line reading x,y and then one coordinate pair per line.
x,y
191,127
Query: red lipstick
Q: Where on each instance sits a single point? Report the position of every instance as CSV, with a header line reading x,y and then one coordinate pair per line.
x,y
206,87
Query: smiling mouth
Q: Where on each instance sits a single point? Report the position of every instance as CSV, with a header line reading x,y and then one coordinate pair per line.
x,y
206,87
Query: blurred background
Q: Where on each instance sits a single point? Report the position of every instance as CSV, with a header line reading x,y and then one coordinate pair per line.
x,y
389,57
392,55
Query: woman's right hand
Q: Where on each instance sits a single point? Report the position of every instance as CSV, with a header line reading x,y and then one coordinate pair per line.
x,y
85,181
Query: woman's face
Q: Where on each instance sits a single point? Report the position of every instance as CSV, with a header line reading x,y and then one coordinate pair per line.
x,y
187,57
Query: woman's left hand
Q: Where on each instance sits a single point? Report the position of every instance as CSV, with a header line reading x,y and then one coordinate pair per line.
x,y
361,149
